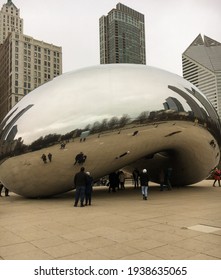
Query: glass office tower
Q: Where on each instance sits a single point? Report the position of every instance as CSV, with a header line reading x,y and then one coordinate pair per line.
x,y
122,36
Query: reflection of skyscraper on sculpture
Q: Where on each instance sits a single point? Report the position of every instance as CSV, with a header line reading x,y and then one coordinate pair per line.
x,y
84,135
173,104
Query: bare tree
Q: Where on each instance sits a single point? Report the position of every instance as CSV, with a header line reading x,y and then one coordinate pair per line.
x,y
124,120
142,118
113,122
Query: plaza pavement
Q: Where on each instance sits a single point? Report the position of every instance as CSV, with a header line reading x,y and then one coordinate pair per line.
x,y
184,223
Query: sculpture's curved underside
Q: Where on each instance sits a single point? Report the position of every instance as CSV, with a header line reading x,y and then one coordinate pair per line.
x,y
160,118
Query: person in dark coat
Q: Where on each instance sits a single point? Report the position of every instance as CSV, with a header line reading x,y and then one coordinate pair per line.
x,y
44,158
144,182
80,158
1,188
89,189
136,175
168,175
162,179
80,182
113,181
50,157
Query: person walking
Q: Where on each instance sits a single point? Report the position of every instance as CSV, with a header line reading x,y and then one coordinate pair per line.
x,y
144,182
122,180
44,158
88,189
50,157
216,176
80,182
136,175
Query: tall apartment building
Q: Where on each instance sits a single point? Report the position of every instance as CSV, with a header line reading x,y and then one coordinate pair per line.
x,y
122,36
201,63
25,63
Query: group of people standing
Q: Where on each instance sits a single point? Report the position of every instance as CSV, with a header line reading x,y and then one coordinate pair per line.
x,y
116,181
83,182
44,158
1,189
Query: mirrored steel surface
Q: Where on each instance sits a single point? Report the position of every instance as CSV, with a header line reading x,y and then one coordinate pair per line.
x,y
119,116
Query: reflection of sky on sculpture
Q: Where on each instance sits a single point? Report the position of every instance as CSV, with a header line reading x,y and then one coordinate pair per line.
x,y
80,98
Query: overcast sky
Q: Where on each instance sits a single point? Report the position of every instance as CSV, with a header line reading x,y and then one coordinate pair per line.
x,y
170,26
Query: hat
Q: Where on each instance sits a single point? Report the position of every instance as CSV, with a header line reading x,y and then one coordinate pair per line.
x,y
144,171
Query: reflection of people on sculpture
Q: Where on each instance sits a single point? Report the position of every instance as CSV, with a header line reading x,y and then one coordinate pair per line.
x,y
63,145
212,143
196,121
80,158
44,158
50,157
6,190
122,155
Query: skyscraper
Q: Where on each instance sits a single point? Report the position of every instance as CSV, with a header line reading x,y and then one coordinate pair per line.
x,y
122,36
201,63
25,63
10,21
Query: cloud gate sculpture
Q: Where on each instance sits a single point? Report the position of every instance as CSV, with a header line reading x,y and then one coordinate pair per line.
x,y
120,116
